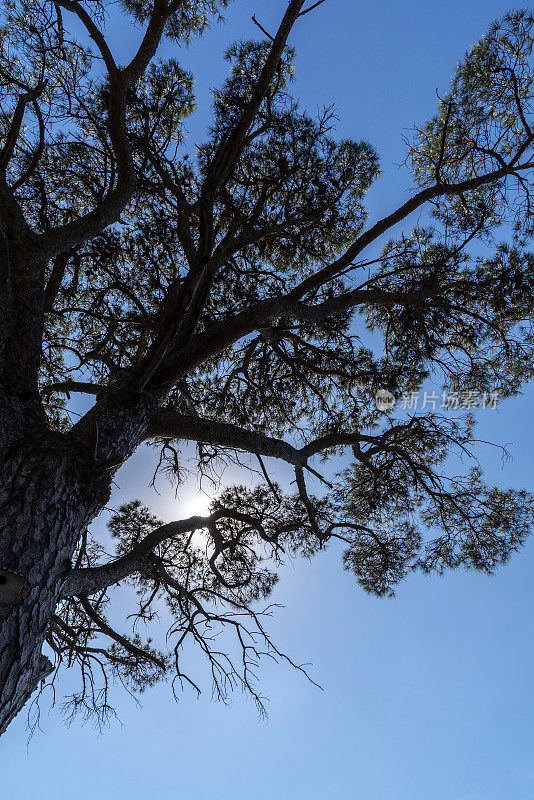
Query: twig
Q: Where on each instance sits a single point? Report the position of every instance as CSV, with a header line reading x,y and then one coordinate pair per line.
x,y
307,10
262,29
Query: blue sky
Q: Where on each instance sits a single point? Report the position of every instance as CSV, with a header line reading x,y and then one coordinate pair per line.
x,y
426,695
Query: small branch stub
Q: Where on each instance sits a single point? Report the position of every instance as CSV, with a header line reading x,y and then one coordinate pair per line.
x,y
12,589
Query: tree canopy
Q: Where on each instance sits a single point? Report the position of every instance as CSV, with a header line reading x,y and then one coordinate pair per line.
x,y
234,295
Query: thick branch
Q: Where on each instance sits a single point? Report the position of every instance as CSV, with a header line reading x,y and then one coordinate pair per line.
x,y
69,386
168,424
14,130
225,333
88,581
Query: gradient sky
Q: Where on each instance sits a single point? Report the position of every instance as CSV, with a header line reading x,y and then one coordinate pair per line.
x,y
428,695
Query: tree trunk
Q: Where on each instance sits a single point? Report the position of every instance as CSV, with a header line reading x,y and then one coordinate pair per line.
x,y
44,505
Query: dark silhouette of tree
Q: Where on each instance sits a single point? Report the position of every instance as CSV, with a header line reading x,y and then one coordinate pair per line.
x,y
237,299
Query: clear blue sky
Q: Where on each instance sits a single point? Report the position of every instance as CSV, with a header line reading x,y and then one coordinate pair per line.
x,y
429,695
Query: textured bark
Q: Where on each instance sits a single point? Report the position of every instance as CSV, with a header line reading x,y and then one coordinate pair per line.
x,y
22,267
43,507
51,487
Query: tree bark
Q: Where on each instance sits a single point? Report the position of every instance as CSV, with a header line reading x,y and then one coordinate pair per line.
x,y
44,505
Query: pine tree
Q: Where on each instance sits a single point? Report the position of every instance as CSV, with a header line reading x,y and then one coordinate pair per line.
x,y
233,297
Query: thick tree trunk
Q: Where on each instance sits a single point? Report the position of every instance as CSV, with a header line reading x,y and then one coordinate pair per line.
x,y
43,508
51,488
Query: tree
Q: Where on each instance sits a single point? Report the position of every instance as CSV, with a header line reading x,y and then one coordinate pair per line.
x,y
226,300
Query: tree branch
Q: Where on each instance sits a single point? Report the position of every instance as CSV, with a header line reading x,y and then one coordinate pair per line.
x,y
90,580
379,228
106,629
169,424
85,227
